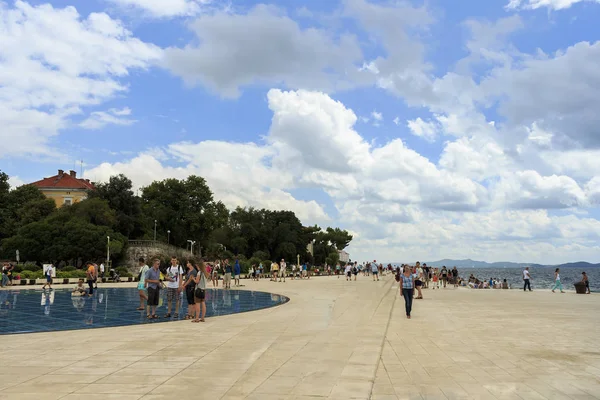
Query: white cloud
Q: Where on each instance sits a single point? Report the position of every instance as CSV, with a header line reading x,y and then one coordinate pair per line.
x,y
70,62
162,8
551,4
427,130
99,119
237,50
15,182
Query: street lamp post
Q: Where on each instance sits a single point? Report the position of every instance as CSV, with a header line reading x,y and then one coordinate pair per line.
x,y
192,243
155,230
108,251
168,237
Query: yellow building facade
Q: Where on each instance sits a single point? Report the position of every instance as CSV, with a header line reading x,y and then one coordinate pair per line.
x,y
65,188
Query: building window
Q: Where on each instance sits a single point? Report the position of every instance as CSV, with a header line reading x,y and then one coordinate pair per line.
x,y
68,201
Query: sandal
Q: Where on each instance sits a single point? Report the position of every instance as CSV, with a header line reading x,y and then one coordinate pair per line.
x,y
195,320
176,315
188,317
155,316
168,315
140,308
149,316
202,320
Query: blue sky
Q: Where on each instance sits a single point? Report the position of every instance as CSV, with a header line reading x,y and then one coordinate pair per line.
x,y
173,100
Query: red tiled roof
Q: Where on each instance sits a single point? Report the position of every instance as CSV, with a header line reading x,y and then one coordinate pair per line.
x,y
64,181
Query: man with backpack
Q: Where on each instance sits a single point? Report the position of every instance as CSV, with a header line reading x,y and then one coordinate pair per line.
x,y
174,278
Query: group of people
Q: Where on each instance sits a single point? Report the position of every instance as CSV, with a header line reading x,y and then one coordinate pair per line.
x,y
176,281
557,283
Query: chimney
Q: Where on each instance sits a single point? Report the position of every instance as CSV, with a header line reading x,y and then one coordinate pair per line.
x,y
60,172
73,173
87,180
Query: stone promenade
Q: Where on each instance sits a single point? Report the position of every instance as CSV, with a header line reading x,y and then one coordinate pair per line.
x,y
333,340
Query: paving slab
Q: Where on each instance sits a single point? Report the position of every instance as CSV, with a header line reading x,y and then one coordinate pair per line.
x,y
333,340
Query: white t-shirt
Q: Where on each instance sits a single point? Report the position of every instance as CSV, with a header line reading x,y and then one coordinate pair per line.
x,y
175,274
49,270
283,265
101,268
348,269
525,274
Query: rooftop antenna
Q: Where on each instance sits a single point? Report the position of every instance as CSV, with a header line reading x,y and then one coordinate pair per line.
x,y
81,170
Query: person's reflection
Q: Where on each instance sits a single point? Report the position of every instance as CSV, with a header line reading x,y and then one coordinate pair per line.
x,y
89,310
78,302
236,303
275,298
226,298
47,301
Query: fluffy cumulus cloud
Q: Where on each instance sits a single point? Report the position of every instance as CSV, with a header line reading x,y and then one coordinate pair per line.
x,y
263,46
55,64
513,174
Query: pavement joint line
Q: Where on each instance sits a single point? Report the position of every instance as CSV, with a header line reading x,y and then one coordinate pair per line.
x,y
387,327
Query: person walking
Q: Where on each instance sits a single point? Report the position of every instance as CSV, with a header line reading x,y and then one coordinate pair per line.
x,y
153,284
375,270
407,280
274,271
557,284
444,274
48,275
200,293
282,270
526,279
142,283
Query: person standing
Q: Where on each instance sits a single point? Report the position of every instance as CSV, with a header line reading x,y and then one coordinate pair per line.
x,y
189,286
526,279
200,294
101,270
152,282
142,283
282,270
227,277
585,280
293,271
96,273
557,284
174,278
375,270
91,277
237,270
454,274
215,274
444,273
408,289
418,282
274,271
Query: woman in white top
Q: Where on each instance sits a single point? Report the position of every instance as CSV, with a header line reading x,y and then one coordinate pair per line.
x,y
557,284
200,293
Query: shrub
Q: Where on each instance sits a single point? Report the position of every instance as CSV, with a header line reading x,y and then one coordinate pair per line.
x,y
71,274
68,268
31,267
267,265
18,268
123,272
27,274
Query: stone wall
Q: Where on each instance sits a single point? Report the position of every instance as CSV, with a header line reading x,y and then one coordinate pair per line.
x,y
147,249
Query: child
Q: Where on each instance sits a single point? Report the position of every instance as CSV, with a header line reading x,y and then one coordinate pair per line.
x,y
79,289
436,279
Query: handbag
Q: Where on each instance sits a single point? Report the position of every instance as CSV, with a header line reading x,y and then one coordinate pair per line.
x,y
199,293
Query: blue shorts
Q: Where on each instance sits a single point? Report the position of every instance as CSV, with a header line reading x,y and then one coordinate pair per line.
x,y
48,278
375,272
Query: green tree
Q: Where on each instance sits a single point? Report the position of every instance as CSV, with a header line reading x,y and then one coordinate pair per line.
x,y
118,193
338,237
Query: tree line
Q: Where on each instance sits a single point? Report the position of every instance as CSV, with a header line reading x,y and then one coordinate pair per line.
x,y
170,210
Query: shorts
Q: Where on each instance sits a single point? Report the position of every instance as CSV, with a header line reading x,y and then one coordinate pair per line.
x,y
153,296
189,294
172,294
375,272
237,277
282,273
48,278
141,286
418,283
348,274
227,277
200,294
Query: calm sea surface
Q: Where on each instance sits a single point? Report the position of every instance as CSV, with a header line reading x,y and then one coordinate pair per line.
x,y
541,278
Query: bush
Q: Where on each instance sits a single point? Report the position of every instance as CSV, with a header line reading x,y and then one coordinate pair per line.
x,y
68,268
18,268
123,272
267,265
31,267
77,273
27,274
261,255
